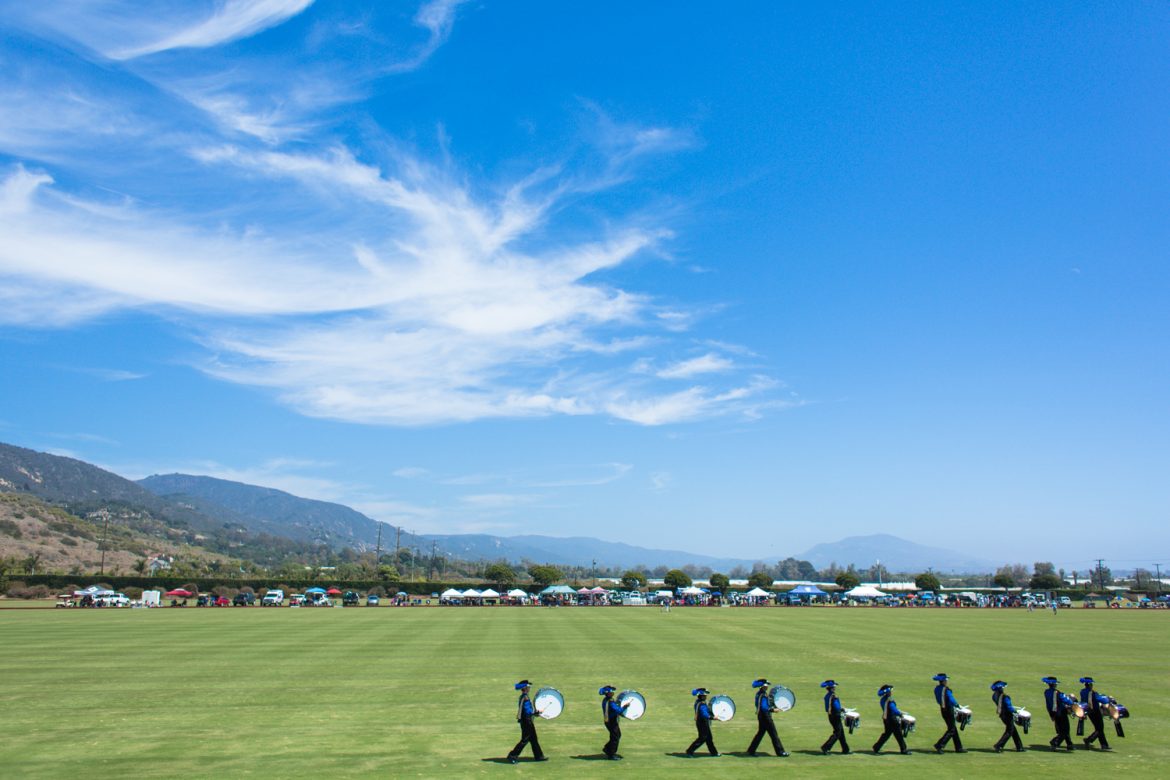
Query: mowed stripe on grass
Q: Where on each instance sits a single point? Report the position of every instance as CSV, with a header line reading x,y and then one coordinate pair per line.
x,y
428,692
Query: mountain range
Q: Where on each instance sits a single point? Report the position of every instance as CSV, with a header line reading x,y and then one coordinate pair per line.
x,y
238,518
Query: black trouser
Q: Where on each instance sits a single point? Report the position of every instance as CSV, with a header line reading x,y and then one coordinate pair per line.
x,y
704,727
527,736
948,716
615,736
1063,734
1098,734
1009,732
838,735
894,729
769,728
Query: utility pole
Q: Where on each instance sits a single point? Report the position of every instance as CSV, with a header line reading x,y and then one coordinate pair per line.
x,y
105,533
1158,568
1101,573
397,542
431,565
378,548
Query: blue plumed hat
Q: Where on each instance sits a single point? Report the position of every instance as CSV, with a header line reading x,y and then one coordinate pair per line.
x,y
940,677
998,685
829,684
605,689
882,691
760,683
1050,680
1087,680
522,684
699,692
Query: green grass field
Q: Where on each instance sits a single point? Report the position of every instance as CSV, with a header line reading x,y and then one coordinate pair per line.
x,y
282,693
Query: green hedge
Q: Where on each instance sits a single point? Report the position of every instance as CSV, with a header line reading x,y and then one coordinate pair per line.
x,y
164,583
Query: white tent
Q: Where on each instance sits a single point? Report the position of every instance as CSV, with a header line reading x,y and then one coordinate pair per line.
x,y
472,593
450,593
864,592
489,594
756,593
691,591
516,593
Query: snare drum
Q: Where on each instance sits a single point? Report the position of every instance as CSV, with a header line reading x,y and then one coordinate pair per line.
x,y
1076,708
1023,719
909,723
783,699
963,717
549,703
637,704
722,708
852,720
1116,711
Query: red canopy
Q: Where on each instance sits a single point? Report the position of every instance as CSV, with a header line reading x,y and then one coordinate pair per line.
x,y
333,592
180,593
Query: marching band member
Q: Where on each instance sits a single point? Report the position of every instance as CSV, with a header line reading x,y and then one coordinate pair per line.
x,y
611,713
702,723
1007,714
834,710
1093,702
1056,702
524,713
764,710
891,720
947,705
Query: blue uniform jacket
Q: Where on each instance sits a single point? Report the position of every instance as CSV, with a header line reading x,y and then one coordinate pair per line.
x,y
524,707
1003,703
832,703
763,701
702,711
610,710
945,697
1053,701
890,708
1093,700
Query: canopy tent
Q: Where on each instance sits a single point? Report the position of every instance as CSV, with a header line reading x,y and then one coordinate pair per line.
x,y
472,593
94,590
691,590
450,593
333,592
582,591
314,590
665,594
558,590
179,593
516,593
864,592
756,593
489,594
807,590
598,591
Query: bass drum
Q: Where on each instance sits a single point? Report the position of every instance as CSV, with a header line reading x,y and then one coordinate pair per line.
x,y
1023,719
852,720
722,708
549,703
637,704
783,699
963,717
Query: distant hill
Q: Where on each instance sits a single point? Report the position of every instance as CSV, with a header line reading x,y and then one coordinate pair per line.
x,y
895,554
275,512
575,551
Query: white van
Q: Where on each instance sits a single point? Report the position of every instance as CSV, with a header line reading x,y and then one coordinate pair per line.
x,y
273,598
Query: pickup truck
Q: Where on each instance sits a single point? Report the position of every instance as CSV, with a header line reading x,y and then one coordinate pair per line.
x,y
273,598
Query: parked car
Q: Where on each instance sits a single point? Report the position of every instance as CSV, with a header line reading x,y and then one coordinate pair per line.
x,y
296,599
371,600
273,598
244,599
350,599
1064,601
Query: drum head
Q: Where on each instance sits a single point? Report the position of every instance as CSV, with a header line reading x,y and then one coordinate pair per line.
x,y
722,708
783,698
637,703
549,702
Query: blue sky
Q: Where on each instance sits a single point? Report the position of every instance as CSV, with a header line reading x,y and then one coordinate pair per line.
x,y
733,280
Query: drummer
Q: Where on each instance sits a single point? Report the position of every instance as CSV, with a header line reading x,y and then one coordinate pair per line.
x,y
891,720
703,717
947,706
1007,714
1057,706
1093,703
524,713
835,711
611,713
764,710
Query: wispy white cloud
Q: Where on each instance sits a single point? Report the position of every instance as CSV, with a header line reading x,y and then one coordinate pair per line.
x,y
499,500
709,363
437,17
411,472
229,20
660,480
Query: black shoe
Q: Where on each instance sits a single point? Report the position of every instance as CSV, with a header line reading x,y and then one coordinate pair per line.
x,y
542,758
690,754
997,749
938,749
615,757
1107,748
752,753
907,752
960,750
716,755
846,752
824,752
1021,750
783,754
512,760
